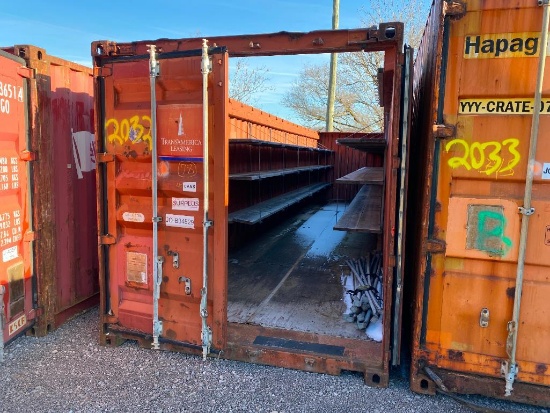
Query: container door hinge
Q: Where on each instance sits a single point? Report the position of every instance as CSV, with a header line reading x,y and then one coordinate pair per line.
x,y
109,319
396,162
435,246
444,131
30,236
103,71
35,313
454,8
107,239
27,156
105,157
26,72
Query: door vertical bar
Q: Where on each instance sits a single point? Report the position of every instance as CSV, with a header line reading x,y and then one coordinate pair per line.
x,y
206,333
157,260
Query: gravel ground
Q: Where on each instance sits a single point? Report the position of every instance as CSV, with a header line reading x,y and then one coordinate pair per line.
x,y
67,371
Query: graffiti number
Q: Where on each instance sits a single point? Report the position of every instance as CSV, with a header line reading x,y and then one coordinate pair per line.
x,y
134,129
485,157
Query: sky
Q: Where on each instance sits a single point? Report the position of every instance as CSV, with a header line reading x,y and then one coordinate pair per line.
x,y
66,29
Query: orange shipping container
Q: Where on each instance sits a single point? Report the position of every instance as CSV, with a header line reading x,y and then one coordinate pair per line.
x,y
163,147
481,314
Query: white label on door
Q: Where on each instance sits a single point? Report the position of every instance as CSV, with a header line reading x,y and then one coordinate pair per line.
x,y
133,217
17,325
9,254
546,171
190,187
185,204
180,221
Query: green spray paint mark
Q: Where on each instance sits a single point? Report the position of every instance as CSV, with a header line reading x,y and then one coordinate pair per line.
x,y
490,233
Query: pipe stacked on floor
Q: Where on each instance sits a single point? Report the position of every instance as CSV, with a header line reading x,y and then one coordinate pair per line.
x,y
366,296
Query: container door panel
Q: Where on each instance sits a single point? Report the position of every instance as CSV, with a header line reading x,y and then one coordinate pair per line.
x,y
15,264
180,193
481,184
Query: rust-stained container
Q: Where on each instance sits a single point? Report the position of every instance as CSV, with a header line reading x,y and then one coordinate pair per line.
x,y
164,245
478,280
58,217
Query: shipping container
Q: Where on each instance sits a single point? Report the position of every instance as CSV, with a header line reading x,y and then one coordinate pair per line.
x,y
49,216
182,167
479,242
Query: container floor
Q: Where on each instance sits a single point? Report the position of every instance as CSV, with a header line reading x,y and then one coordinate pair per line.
x,y
293,276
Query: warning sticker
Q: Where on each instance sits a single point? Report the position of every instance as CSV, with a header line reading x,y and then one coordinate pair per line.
x,y
190,186
497,106
136,267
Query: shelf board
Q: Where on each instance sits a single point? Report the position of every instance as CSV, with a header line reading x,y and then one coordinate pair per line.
x,y
364,213
256,175
366,175
259,142
256,213
375,144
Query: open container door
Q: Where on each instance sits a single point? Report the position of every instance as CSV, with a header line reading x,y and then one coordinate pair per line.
x,y
16,289
139,98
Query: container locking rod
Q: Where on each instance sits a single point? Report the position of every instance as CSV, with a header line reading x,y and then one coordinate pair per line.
x,y
157,260
206,332
511,368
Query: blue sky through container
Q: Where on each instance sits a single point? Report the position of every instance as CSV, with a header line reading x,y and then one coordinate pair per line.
x,y
67,28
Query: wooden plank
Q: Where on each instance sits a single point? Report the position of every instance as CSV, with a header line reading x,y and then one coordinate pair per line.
x,y
366,175
260,142
256,213
254,176
364,213
371,144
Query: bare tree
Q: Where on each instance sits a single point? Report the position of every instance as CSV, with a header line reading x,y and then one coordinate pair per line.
x,y
247,83
356,104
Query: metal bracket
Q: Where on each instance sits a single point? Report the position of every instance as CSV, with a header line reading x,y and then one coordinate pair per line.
x,y
208,224
27,156
157,219
526,212
26,72
105,157
187,282
543,2
443,131
454,8
175,258
107,239
484,318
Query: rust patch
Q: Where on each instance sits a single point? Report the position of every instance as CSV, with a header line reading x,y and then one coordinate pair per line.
x,y
511,292
541,368
455,355
171,334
